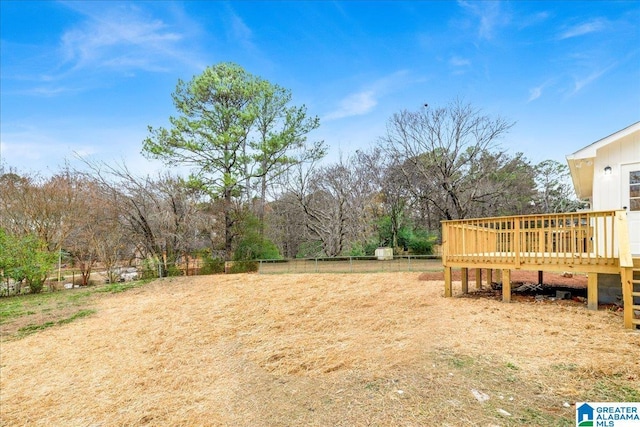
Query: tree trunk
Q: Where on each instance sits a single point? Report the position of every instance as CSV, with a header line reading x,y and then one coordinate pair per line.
x,y
228,224
263,195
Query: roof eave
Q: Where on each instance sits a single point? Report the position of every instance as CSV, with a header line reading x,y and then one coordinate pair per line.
x,y
581,170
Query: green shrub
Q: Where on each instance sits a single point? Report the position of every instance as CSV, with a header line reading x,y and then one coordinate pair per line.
x,y
173,271
409,237
243,267
253,246
35,286
252,243
421,242
357,249
149,270
210,265
25,258
370,248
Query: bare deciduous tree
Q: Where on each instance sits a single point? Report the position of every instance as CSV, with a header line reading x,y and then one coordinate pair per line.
x,y
439,151
46,207
161,215
285,221
322,194
338,201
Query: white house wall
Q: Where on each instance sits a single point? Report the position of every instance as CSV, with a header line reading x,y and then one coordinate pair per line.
x,y
607,188
607,192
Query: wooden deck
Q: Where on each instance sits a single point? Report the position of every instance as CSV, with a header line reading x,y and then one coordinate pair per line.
x,y
585,242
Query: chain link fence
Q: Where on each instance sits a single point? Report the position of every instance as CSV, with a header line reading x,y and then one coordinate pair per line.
x,y
351,264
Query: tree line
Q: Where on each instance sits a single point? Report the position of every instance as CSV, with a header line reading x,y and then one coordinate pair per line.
x,y
259,189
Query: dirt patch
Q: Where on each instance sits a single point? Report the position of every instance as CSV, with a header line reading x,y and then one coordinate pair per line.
x,y
316,349
518,277
532,291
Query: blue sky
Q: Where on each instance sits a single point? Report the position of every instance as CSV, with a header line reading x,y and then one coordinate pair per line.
x,y
89,77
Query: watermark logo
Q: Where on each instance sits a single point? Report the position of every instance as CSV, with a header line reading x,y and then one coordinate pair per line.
x,y
584,415
607,414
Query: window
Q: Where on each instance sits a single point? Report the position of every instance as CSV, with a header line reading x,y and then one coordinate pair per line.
x,y
634,190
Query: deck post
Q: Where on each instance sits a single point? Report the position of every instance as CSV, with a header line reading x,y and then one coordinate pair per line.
x,y
517,246
478,278
464,278
489,277
592,291
626,267
506,285
447,281
626,274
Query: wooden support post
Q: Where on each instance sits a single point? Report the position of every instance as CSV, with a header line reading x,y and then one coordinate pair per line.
x,y
540,277
464,278
489,277
478,278
626,274
517,245
447,282
506,285
592,291
626,267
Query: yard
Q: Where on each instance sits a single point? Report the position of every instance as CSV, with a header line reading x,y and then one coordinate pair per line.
x,y
309,349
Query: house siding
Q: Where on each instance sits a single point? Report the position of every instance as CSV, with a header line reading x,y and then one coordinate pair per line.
x,y
608,190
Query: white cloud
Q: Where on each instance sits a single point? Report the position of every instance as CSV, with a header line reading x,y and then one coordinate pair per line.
x,y
120,41
30,149
531,20
489,14
36,147
241,32
535,93
45,91
457,61
241,38
112,37
355,104
582,29
459,65
579,83
583,82
365,100
23,152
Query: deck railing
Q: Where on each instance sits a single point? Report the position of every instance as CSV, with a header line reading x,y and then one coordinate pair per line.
x,y
563,239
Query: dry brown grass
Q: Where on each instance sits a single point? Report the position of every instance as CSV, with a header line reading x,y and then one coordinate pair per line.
x,y
324,350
